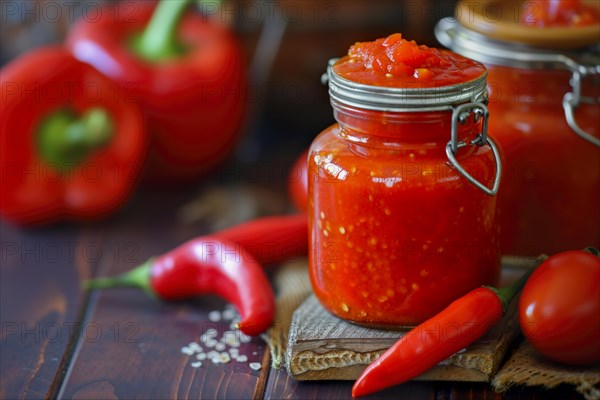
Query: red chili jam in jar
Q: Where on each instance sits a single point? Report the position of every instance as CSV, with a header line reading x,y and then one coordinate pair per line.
x,y
544,86
402,206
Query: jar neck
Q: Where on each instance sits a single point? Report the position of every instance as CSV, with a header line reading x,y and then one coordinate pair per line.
x,y
401,130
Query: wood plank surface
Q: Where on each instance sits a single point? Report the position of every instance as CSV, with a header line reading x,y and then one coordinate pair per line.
x,y
40,304
137,353
282,386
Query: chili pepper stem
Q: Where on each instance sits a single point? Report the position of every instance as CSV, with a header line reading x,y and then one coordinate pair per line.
x,y
506,294
159,39
138,277
65,138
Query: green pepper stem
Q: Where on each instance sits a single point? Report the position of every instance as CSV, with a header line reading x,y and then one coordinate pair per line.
x,y
159,39
138,277
65,138
508,293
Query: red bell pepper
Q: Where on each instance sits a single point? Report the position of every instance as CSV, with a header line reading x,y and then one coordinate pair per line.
x,y
186,72
70,145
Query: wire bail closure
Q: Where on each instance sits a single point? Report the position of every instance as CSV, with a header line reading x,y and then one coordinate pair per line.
x,y
573,99
460,114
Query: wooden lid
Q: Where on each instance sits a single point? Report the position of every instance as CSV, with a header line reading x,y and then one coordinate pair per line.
x,y
500,20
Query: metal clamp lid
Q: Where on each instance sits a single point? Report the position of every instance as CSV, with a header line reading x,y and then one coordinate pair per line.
x,y
462,100
405,99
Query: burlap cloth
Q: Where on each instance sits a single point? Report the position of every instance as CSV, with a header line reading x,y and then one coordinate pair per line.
x,y
523,367
528,367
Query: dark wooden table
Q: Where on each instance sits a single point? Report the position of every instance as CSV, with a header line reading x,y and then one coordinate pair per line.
x,y
59,341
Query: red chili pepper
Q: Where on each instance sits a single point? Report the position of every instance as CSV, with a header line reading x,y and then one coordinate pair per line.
x,y
460,324
185,70
70,147
201,266
227,264
271,240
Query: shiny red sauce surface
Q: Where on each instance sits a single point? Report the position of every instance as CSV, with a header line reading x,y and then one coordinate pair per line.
x,y
397,62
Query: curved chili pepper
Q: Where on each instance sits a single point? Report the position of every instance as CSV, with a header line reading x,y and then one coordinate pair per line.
x,y
201,266
460,324
227,264
271,240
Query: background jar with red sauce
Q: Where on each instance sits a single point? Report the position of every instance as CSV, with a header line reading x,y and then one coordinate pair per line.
x,y
544,81
397,233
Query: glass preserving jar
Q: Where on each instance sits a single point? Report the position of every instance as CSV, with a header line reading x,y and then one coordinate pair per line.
x,y
402,206
544,89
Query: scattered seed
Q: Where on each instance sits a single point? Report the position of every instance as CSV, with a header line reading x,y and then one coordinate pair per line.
x,y
228,315
245,338
241,358
255,366
196,364
186,350
201,356
214,316
220,346
211,332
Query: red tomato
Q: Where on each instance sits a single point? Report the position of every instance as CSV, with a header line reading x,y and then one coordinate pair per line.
x,y
559,310
298,182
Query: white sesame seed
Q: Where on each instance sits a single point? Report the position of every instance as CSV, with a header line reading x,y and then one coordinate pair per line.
x,y
214,316
201,356
245,338
224,358
220,346
241,358
211,343
186,350
196,364
229,314
194,346
255,366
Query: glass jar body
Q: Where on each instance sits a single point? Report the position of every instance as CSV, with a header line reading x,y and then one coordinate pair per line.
x,y
396,233
550,194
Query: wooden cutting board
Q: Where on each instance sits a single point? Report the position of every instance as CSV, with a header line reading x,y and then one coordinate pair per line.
x,y
322,346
